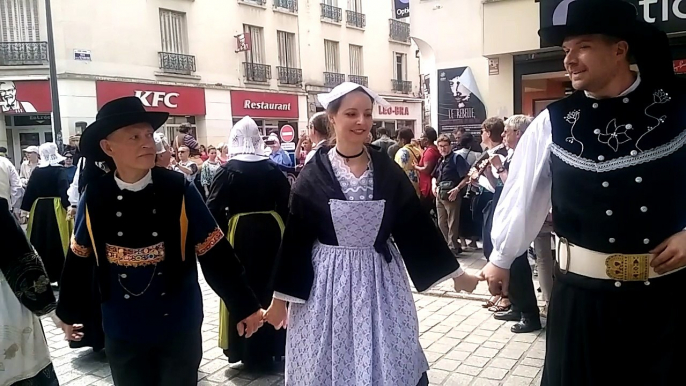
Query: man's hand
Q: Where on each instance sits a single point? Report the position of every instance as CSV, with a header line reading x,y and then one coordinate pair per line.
x,y
670,255
277,314
251,324
72,332
466,282
498,279
71,213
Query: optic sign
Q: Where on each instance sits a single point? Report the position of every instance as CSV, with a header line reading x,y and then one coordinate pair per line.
x,y
667,15
402,9
170,99
287,133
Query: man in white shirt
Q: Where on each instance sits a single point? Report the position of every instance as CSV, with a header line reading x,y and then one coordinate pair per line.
x,y
10,185
610,159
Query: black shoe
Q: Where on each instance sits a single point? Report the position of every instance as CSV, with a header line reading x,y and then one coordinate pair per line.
x,y
527,325
508,316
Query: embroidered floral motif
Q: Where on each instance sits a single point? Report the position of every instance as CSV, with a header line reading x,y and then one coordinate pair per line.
x,y
135,257
572,117
614,135
212,239
80,250
659,97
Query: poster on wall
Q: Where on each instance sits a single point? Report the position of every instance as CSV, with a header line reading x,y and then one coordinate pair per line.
x,y
426,96
459,101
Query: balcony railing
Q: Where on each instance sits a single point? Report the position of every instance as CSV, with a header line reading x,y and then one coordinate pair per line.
x,y
359,79
177,63
286,5
333,79
255,2
355,19
23,53
331,13
403,86
399,31
289,75
255,72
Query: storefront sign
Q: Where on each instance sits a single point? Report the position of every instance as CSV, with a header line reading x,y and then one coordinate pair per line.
x,y
264,104
667,15
399,110
25,96
679,66
402,9
459,101
394,110
171,99
494,66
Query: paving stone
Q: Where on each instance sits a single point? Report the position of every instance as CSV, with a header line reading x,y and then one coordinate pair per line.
x,y
458,380
514,380
437,376
469,347
493,373
526,371
476,361
484,382
511,353
84,381
446,364
469,370
477,339
532,362
457,355
503,363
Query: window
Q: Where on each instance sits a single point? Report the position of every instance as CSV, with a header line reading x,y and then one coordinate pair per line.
x,y
257,53
400,66
332,56
356,60
19,21
288,55
355,5
173,32
333,3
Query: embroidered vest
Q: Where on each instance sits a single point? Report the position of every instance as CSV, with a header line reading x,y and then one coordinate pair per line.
x,y
619,168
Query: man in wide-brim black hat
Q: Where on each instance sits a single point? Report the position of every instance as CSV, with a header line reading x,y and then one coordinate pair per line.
x,y
611,162
143,229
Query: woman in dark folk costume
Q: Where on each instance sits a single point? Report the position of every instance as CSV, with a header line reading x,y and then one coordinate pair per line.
x,y
47,202
25,295
352,318
249,200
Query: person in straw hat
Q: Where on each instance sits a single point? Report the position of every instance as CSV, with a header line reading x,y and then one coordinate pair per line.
x,y
144,229
610,160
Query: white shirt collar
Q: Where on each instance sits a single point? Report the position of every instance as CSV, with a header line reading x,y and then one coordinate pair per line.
x,y
136,186
627,91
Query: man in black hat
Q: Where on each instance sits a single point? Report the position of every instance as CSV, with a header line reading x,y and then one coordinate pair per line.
x,y
612,158
141,228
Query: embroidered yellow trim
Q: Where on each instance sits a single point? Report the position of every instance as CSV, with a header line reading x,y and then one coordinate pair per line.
x,y
212,239
628,267
79,250
135,257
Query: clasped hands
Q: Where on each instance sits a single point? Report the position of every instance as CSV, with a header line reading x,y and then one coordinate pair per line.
x,y
276,315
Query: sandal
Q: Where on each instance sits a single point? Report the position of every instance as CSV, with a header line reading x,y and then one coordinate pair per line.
x,y
491,302
499,307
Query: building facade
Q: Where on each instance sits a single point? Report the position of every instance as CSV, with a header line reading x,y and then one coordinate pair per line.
x,y
207,62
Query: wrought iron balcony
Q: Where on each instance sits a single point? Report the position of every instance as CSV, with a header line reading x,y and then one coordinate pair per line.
x,y
255,2
399,31
177,63
256,72
331,13
355,19
359,79
289,75
333,79
286,5
23,53
403,86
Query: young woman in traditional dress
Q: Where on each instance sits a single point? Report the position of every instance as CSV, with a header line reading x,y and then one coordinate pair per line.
x,y
352,318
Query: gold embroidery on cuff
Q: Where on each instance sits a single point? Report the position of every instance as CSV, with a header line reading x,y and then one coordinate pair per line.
x,y
79,250
135,257
212,239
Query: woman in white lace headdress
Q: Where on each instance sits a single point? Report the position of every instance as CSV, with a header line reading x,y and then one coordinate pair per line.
x,y
249,199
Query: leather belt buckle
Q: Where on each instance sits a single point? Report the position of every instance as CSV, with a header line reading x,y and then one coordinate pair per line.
x,y
628,267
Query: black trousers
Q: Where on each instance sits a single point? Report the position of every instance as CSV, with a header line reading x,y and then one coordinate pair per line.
x,y
173,361
522,294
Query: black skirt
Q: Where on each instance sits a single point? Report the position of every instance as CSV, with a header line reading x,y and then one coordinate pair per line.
x,y
601,334
468,227
46,238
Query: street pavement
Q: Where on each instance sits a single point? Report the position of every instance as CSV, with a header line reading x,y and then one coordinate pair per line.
x,y
463,344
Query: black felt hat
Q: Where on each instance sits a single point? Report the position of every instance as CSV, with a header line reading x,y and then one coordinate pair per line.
x,y
113,116
614,18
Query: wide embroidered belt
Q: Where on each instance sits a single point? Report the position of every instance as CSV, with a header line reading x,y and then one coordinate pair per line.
x,y
135,257
597,265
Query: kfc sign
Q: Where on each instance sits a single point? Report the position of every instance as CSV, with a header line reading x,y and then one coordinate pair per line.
x,y
170,99
22,97
264,105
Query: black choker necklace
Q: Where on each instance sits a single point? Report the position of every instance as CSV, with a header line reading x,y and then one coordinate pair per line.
x,y
350,156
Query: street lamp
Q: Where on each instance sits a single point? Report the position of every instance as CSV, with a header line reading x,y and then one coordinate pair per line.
x,y
54,94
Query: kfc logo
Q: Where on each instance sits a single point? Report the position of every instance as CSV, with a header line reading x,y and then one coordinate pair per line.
x,y
9,102
154,98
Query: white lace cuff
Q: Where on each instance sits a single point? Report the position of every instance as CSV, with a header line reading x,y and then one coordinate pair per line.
x,y
288,298
457,273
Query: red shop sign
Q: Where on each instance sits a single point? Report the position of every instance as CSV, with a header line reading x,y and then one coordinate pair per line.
x,y
264,104
170,99
25,96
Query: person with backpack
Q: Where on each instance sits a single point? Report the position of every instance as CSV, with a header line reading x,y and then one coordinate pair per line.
x,y
408,156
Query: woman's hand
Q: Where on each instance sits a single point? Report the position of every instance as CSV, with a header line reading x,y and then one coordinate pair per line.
x,y
251,324
277,314
466,282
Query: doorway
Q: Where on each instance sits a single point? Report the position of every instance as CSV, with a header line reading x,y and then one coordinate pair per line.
x,y
21,138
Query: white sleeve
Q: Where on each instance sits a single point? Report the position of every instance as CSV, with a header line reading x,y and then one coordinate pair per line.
x,y
73,191
16,187
525,200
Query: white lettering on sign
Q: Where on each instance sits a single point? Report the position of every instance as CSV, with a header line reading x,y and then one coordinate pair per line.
x,y
394,110
402,12
463,113
664,9
250,105
154,98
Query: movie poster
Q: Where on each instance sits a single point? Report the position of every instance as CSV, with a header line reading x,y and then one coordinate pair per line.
x,y
459,101
426,96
